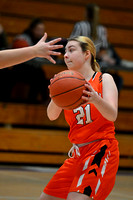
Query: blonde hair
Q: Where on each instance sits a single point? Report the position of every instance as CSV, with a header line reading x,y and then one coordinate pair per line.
x,y
87,44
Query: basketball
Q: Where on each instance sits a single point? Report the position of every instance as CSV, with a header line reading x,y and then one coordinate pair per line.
x,y
66,89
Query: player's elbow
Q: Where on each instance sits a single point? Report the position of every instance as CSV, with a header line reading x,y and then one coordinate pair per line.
x,y
51,116
112,117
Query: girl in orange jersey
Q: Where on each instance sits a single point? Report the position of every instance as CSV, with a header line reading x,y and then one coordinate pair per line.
x,y
90,171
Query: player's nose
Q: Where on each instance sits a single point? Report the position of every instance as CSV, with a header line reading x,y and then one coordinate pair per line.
x,y
65,55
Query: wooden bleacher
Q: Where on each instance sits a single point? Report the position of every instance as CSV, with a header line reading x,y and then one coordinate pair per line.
x,y
33,146
60,17
26,134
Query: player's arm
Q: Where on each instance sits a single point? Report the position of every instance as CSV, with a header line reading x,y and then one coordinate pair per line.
x,y
41,49
53,111
108,105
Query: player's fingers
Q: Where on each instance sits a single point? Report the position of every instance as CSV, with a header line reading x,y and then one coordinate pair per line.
x,y
53,47
86,93
51,80
88,86
51,59
85,99
55,41
43,39
54,53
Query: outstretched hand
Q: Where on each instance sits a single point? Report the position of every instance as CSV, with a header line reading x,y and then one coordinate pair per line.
x,y
46,49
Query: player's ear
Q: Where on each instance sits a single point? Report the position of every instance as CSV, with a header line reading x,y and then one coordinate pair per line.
x,y
87,54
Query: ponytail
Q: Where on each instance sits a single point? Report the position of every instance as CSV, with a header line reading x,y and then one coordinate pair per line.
x,y
94,64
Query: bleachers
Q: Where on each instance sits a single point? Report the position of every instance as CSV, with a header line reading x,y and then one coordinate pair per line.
x,y
26,134
60,16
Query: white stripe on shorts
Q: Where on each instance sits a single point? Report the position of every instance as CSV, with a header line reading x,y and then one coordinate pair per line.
x,y
80,180
86,164
98,185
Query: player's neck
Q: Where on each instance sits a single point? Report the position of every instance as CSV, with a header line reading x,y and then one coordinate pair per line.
x,y
87,72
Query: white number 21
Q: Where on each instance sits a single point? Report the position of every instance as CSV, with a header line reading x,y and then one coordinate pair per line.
x,y
81,113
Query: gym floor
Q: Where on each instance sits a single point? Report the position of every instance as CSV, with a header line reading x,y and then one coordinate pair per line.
x,y
27,183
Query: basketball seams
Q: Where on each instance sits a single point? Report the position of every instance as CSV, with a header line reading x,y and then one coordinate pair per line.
x,y
54,81
67,91
74,103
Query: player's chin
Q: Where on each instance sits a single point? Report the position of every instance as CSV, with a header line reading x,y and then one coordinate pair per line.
x,y
71,67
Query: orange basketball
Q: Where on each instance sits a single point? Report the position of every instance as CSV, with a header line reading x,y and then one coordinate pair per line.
x,y
66,89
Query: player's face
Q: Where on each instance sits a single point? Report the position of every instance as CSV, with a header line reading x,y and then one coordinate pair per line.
x,y
74,56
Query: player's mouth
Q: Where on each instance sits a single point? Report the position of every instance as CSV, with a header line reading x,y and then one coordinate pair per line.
x,y
69,61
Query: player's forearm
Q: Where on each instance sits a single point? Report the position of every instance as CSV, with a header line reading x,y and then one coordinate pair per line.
x,y
106,109
16,56
53,111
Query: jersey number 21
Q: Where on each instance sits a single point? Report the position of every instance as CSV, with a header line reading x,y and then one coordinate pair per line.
x,y
81,112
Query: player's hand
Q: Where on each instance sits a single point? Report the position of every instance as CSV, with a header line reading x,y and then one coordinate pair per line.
x,y
46,49
89,94
51,80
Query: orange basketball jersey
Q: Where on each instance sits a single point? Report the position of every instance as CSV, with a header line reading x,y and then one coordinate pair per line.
x,y
86,123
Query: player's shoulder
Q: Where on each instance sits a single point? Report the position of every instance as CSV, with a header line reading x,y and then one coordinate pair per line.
x,y
107,77
98,76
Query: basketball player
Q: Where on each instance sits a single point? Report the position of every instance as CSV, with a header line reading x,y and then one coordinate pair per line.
x,y
41,49
90,171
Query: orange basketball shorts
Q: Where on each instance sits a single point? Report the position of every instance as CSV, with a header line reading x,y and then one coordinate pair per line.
x,y
92,173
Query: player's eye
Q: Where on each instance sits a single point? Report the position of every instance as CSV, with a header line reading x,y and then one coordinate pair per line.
x,y
71,50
